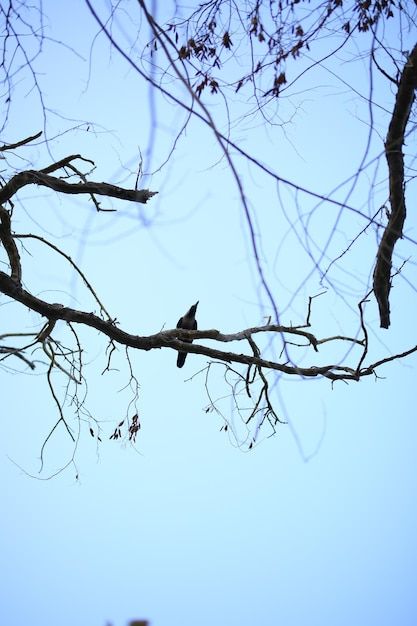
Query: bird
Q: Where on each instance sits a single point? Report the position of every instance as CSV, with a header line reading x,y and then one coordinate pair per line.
x,y
188,322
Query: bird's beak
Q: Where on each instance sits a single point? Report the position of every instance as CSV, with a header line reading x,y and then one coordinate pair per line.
x,y
196,303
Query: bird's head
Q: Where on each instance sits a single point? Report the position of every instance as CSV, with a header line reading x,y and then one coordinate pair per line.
x,y
193,309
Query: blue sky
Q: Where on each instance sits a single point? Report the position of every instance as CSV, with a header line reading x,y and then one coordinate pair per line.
x,y
315,525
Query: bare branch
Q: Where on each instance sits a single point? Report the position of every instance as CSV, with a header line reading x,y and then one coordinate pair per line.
x,y
65,162
32,177
22,142
11,351
10,245
166,339
395,160
71,262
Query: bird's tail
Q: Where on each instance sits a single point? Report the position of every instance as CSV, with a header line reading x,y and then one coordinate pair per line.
x,y
181,358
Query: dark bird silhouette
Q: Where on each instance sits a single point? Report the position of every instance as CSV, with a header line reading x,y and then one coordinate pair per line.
x,y
188,322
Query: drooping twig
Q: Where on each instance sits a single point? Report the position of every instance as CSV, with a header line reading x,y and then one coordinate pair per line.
x,y
395,160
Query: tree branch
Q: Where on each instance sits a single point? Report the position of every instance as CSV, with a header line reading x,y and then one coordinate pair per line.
x,y
167,339
10,245
22,142
395,160
32,177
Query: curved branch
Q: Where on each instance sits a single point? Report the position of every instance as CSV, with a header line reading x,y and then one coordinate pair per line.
x,y
395,160
9,245
32,177
166,339
71,262
22,142
11,351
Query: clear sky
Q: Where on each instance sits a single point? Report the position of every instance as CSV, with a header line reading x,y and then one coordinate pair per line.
x,y
313,526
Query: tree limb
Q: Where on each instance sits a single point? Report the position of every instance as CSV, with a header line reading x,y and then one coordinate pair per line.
x,y
32,177
10,245
22,142
167,339
395,160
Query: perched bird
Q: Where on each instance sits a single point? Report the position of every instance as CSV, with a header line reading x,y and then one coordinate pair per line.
x,y
188,322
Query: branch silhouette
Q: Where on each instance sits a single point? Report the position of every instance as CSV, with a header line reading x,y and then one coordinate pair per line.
x,y
395,159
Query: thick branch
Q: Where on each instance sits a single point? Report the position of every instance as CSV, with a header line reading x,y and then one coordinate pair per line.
x,y
395,160
10,245
163,339
32,177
